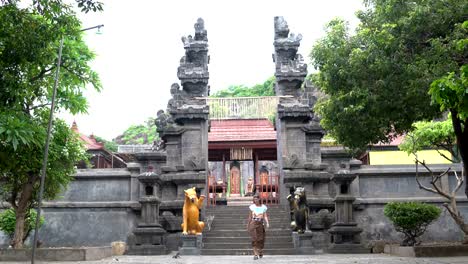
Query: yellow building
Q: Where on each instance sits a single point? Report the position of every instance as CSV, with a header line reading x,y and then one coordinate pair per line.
x,y
385,157
385,154
389,153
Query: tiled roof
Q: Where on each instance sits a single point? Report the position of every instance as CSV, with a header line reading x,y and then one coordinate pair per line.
x,y
395,142
90,142
241,130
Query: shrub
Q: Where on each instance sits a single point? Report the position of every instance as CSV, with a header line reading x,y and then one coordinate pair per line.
x,y
8,222
411,219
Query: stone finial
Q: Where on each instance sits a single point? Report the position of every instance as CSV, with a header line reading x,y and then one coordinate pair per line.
x,y
200,31
290,67
281,28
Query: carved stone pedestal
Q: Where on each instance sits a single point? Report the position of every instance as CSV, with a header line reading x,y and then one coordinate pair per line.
x,y
147,241
320,241
303,243
345,232
149,238
191,245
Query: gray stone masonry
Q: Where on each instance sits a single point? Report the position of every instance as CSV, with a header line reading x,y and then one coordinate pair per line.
x,y
345,232
277,259
191,245
149,238
303,243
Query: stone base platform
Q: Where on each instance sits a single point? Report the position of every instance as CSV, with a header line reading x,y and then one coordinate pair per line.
x,y
427,250
347,249
57,254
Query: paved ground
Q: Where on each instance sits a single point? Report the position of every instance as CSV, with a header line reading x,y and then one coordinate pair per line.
x,y
310,259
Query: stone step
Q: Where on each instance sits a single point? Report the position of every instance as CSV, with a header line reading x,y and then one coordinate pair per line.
x,y
243,222
227,208
282,217
266,252
243,233
244,239
243,226
245,213
244,245
228,234
245,219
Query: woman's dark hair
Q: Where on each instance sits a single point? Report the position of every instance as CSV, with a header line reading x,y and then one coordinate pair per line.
x,y
256,196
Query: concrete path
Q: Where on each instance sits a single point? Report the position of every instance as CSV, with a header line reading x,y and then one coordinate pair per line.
x,y
308,259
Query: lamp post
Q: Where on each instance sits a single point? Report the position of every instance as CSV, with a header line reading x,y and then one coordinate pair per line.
x,y
46,149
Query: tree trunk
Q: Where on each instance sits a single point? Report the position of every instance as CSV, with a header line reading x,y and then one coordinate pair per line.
x,y
19,228
21,210
461,134
457,217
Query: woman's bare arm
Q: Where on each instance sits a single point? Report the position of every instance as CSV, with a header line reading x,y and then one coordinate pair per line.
x,y
265,217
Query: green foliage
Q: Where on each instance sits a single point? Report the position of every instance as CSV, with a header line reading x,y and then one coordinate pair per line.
x,y
451,92
433,134
411,218
139,134
272,118
28,51
8,222
377,79
109,145
265,89
29,41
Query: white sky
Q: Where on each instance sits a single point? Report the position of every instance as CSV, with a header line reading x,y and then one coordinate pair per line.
x,y
140,48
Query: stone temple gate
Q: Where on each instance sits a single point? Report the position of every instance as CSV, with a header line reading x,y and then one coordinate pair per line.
x,y
228,149
239,151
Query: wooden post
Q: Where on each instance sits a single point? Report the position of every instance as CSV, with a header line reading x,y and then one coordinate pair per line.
x,y
224,176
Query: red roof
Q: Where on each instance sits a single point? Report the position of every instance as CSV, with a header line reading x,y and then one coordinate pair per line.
x,y
395,141
241,130
90,142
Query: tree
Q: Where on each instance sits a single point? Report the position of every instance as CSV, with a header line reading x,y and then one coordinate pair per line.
x,y
8,222
451,93
405,59
266,88
437,135
109,145
446,193
138,134
29,39
411,219
440,135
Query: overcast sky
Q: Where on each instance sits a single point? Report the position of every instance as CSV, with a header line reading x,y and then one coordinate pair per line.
x,y
140,48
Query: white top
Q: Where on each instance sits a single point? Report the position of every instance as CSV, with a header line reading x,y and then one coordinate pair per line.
x,y
258,210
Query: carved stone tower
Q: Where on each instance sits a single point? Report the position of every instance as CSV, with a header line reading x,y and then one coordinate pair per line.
x,y
184,127
298,131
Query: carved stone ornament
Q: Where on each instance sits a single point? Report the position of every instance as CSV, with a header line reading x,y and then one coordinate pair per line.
x,y
158,145
163,121
292,162
194,163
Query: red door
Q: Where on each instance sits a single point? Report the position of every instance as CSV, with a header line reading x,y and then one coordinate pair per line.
x,y
235,180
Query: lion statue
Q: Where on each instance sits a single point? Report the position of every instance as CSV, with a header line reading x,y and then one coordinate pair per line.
x,y
299,210
191,213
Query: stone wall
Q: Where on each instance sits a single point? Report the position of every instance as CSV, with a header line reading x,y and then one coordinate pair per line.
x,y
377,185
101,206
95,210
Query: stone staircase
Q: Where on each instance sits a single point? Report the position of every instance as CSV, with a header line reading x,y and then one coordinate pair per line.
x,y
229,236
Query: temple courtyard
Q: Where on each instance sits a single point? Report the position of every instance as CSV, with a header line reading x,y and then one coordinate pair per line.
x,y
316,259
